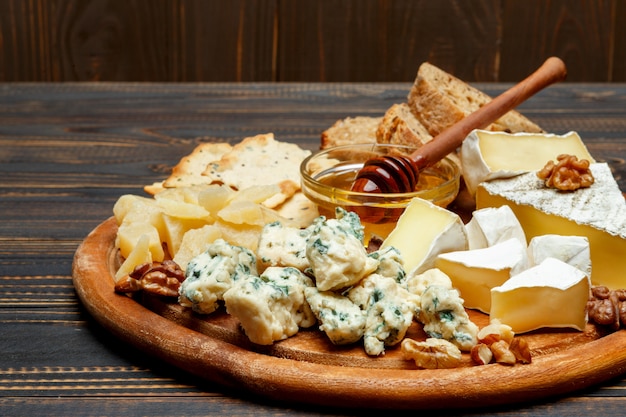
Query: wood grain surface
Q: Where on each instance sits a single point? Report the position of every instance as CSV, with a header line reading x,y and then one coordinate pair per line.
x,y
293,40
68,151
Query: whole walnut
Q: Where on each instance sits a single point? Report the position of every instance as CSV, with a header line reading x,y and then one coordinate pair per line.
x,y
159,278
567,174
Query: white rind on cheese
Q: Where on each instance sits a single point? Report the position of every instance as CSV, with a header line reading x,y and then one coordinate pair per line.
x,y
573,250
551,294
424,230
490,225
487,155
475,272
597,212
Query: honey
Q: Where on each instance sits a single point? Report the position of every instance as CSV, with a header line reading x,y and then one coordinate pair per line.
x,y
343,178
327,180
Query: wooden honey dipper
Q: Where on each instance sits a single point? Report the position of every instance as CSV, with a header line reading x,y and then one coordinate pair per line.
x,y
399,174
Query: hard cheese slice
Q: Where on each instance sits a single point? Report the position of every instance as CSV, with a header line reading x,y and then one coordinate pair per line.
x,y
475,272
551,294
423,231
487,155
597,212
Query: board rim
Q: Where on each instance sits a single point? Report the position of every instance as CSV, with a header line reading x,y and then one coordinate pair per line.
x,y
290,381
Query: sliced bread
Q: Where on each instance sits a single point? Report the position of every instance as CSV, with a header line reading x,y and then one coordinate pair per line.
x,y
439,100
351,130
399,126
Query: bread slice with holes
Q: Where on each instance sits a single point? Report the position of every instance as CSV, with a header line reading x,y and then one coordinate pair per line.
x,y
439,100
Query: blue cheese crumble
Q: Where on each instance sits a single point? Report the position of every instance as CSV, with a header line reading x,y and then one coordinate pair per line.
x,y
210,274
341,319
322,275
390,263
272,306
336,253
442,312
281,245
389,310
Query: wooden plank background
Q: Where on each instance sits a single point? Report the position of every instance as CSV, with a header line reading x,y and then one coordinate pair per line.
x,y
296,40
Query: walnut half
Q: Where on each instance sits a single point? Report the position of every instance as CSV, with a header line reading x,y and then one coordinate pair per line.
x,y
497,341
432,353
159,278
607,307
567,174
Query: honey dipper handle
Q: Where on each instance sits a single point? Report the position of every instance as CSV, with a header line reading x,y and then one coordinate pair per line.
x,y
553,70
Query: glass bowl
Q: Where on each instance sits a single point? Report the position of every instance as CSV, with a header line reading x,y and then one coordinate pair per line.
x,y
327,178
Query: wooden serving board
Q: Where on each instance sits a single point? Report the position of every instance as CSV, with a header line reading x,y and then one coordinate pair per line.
x,y
307,368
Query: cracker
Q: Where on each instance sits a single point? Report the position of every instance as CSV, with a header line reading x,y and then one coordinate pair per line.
x,y
154,188
260,160
299,209
189,170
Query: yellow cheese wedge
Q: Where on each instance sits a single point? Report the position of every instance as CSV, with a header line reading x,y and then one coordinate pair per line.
x,y
128,236
475,272
138,255
551,294
597,213
423,231
487,155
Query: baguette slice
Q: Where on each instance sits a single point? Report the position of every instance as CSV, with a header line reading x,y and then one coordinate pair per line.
x,y
439,100
399,126
351,130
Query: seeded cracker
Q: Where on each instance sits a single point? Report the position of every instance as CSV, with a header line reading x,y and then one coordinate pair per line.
x,y
189,169
260,160
299,209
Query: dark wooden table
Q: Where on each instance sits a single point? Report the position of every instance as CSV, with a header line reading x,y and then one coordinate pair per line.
x,y
68,151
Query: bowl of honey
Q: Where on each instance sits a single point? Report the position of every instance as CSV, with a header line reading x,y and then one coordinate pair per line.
x,y
327,177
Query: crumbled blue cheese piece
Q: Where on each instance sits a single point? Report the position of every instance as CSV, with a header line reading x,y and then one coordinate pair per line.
x,y
272,306
281,245
389,309
390,263
418,282
341,319
336,253
444,317
210,274
441,308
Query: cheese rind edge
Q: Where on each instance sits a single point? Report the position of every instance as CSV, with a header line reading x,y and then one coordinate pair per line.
x,y
487,155
597,212
551,294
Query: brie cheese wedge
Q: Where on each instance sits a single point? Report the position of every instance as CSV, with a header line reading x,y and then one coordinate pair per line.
x,y
424,230
475,272
551,294
597,212
573,250
490,225
487,155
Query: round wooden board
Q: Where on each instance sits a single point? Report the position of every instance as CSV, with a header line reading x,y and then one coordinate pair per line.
x,y
308,369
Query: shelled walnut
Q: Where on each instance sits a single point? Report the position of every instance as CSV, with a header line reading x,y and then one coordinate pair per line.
x,y
497,342
159,278
607,307
431,353
567,174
